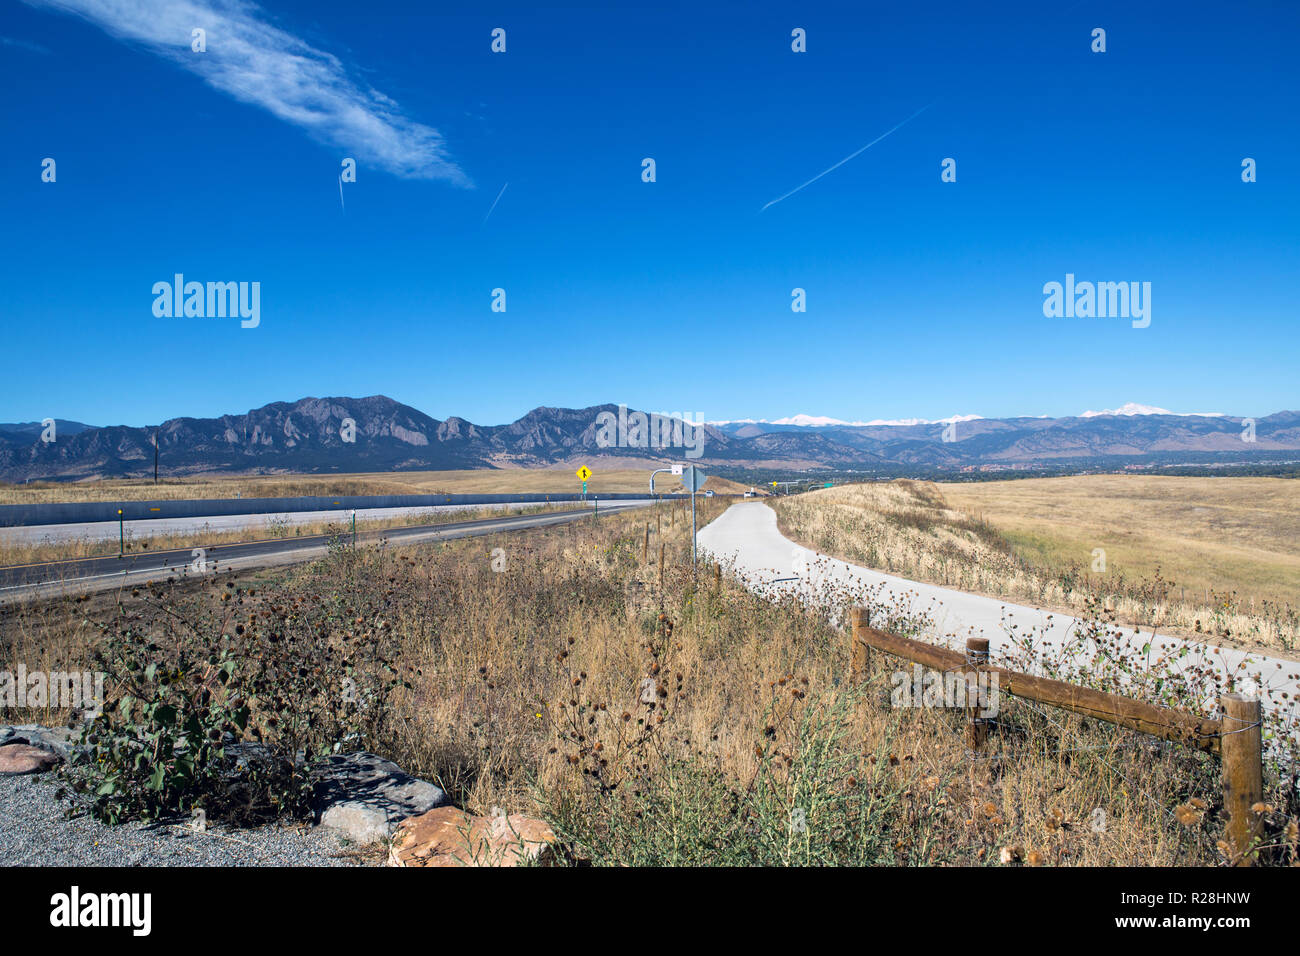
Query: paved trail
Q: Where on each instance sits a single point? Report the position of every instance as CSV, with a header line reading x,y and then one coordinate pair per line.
x,y
747,538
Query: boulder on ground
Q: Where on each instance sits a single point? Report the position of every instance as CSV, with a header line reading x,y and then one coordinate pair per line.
x,y
24,758
451,837
57,739
365,796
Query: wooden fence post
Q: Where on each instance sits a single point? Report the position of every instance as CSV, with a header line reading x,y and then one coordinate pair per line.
x,y
977,656
645,548
717,577
859,651
1243,774
661,572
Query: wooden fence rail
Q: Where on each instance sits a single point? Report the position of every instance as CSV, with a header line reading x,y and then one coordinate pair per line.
x,y
1236,739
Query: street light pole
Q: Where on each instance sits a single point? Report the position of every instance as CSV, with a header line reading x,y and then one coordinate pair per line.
x,y
657,471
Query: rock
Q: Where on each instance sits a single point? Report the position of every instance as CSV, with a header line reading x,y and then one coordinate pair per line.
x,y
55,739
24,758
451,837
360,822
365,796
243,758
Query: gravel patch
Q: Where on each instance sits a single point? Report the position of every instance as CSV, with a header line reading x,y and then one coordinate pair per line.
x,y
35,832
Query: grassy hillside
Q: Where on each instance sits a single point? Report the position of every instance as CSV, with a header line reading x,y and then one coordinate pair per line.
x,y
1195,556
1206,534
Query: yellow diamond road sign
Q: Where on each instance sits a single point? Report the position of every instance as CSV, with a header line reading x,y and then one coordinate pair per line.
x,y
584,473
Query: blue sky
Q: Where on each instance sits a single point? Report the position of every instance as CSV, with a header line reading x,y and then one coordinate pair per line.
x,y
924,298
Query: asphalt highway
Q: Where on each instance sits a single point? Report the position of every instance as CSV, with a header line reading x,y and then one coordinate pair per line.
x,y
79,575
257,524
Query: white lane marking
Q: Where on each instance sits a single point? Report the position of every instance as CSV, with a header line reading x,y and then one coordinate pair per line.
x,y
493,524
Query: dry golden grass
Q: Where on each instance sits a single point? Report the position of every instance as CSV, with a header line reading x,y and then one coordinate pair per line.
x,y
1190,556
1206,534
527,693
475,481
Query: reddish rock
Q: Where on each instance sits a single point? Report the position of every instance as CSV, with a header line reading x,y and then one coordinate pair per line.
x,y
446,836
21,758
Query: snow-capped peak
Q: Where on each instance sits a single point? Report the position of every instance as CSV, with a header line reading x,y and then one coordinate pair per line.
x,y
1133,408
1128,408
822,421
810,420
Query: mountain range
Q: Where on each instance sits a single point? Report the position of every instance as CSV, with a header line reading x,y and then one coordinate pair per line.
x,y
308,436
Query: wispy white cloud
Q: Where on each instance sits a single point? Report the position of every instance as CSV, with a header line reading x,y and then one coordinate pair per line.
x,y
260,64
23,45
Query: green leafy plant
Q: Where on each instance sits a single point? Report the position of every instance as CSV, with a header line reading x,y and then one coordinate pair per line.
x,y
226,707
160,749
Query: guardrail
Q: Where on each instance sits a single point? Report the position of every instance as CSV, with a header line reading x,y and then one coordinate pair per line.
x,y
80,512
1236,739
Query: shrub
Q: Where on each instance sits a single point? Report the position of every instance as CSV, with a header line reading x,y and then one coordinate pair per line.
x,y
226,711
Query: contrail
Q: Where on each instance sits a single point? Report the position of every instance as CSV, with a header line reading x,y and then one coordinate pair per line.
x,y
850,156
494,204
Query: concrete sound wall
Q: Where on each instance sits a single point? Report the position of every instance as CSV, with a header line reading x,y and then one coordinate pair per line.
x,y
79,512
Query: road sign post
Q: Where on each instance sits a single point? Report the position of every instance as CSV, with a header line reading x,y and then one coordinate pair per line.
x,y
694,479
583,474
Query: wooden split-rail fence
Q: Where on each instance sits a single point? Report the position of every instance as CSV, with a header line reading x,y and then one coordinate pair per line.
x,y
1236,739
